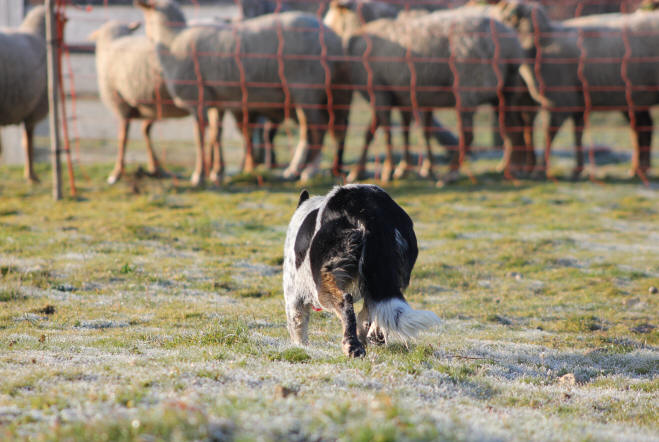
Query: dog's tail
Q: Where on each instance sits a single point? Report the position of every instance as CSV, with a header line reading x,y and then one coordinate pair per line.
x,y
397,320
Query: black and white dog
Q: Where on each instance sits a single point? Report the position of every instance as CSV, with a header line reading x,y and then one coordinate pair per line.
x,y
354,243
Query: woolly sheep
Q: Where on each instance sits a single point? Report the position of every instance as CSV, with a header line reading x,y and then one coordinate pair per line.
x,y
130,83
201,71
346,18
23,82
601,38
443,36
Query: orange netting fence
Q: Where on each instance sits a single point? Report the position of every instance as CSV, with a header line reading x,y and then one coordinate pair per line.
x,y
564,58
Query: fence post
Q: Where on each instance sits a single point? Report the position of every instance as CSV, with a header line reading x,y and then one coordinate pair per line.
x,y
53,116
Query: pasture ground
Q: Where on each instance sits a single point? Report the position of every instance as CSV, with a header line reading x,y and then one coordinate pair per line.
x,y
151,310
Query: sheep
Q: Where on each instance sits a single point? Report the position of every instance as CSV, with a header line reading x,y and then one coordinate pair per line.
x,y
371,9
448,37
23,81
602,37
203,67
130,84
346,18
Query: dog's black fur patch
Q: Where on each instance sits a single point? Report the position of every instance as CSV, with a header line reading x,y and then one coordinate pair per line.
x,y
304,235
364,219
336,249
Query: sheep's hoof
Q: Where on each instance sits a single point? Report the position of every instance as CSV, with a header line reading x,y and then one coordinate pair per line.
x,y
114,178
197,179
32,179
290,174
353,349
387,170
426,170
158,173
539,174
215,177
402,170
449,178
357,173
307,174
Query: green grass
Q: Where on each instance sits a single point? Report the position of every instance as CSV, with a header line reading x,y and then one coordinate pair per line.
x,y
159,314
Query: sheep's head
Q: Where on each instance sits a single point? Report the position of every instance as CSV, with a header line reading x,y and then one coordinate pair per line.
x,y
342,17
163,19
35,22
112,30
526,18
649,5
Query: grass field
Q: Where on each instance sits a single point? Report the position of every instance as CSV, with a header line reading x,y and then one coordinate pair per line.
x,y
151,310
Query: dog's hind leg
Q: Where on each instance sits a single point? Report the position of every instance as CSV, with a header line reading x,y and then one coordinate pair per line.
x,y
297,318
346,311
363,324
331,296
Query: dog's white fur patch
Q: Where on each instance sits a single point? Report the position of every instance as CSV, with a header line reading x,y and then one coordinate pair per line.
x,y
397,320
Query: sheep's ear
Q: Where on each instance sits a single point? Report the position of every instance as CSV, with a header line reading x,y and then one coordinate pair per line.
x,y
144,4
340,4
502,5
93,36
132,27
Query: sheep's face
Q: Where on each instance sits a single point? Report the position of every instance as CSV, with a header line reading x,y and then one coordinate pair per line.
x,y
342,18
524,18
163,19
113,30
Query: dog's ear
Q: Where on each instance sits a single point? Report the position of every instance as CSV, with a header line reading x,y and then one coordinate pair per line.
x,y
304,236
304,195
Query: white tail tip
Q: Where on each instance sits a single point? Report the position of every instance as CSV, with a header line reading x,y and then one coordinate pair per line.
x,y
398,320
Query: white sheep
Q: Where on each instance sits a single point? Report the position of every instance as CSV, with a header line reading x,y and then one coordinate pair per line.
x,y
131,84
204,66
23,80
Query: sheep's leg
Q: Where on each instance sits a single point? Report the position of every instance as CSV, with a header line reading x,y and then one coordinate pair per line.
x,y
388,164
529,147
556,120
199,172
297,320
153,167
465,126
301,150
270,156
429,124
248,161
317,119
358,169
121,155
642,138
28,148
405,161
578,118
215,136
339,132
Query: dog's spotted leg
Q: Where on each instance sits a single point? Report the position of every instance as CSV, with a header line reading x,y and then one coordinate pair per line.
x,y
297,318
331,296
351,345
375,335
363,325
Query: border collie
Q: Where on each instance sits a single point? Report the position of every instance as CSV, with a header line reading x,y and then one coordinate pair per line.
x,y
353,243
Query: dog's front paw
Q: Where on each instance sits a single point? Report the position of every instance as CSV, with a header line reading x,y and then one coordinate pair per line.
x,y
353,349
